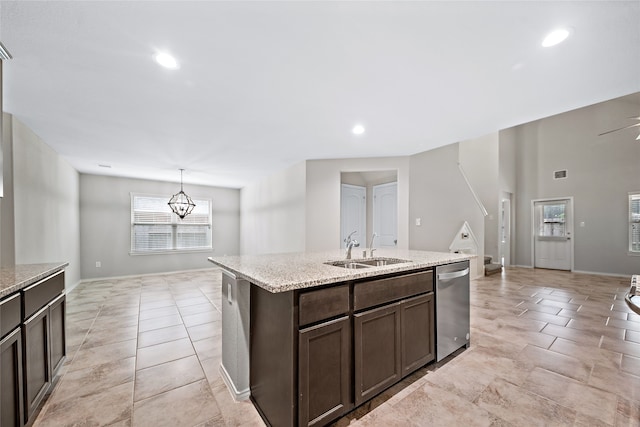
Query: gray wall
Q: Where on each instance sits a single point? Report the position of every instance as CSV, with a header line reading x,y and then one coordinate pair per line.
x,y
601,173
439,196
105,225
323,198
273,213
45,204
479,159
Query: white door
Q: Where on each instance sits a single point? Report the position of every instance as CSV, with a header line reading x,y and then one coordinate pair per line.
x,y
553,228
505,229
385,215
353,213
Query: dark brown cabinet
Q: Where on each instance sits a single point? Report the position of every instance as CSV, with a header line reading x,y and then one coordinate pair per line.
x,y
57,333
11,384
36,357
417,332
376,351
324,362
43,338
316,354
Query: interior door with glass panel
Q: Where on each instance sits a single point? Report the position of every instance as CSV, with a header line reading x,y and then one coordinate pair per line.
x,y
553,227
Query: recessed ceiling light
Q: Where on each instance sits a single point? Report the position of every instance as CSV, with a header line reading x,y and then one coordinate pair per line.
x,y
167,61
555,37
102,165
358,129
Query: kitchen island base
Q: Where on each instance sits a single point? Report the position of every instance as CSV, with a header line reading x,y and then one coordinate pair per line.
x,y
317,354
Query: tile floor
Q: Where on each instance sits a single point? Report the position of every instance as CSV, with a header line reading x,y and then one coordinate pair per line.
x,y
548,349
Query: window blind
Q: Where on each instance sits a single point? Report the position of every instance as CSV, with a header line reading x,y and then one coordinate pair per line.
x,y
154,228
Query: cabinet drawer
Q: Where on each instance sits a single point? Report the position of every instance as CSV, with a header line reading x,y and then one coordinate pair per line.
x,y
41,293
9,314
376,292
323,304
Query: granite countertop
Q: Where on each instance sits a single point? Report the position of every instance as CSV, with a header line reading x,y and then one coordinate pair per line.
x,y
286,272
12,279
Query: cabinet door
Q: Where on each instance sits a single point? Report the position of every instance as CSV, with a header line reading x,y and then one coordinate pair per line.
x,y
418,337
11,406
37,371
324,379
57,320
376,350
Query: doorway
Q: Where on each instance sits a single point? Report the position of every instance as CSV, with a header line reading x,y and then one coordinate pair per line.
x,y
505,228
353,213
552,232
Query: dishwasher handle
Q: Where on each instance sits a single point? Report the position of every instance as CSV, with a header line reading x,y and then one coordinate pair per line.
x,y
453,274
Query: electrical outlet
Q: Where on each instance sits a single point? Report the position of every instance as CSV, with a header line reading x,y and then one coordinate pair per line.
x,y
418,222
98,264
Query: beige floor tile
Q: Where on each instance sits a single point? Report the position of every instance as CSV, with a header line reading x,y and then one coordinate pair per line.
x,y
95,379
198,308
159,312
159,322
163,335
631,365
165,352
101,355
205,330
98,337
188,405
628,413
103,408
592,402
523,408
200,318
208,348
556,362
160,378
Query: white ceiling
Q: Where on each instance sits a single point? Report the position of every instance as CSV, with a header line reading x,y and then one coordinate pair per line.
x,y
264,85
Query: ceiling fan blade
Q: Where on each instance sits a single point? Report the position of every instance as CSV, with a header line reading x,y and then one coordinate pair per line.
x,y
626,127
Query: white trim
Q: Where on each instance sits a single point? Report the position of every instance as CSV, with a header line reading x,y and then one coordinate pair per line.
x,y
238,395
599,273
533,227
473,193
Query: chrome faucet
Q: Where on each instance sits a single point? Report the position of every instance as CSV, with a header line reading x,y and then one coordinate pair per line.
x,y
351,243
371,248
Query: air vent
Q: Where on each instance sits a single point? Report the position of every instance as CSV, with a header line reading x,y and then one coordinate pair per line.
x,y
560,174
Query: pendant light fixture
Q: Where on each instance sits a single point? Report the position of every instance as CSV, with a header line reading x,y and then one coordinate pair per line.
x,y
180,203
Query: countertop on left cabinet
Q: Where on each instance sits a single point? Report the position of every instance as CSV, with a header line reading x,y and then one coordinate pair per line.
x,y
13,279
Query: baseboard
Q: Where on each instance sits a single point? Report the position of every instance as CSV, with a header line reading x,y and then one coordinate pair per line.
x,y
68,289
237,395
597,273
165,273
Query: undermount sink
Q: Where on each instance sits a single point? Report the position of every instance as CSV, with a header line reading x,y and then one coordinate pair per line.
x,y
365,263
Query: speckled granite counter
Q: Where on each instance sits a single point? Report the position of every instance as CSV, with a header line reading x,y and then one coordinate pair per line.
x,y
12,279
286,272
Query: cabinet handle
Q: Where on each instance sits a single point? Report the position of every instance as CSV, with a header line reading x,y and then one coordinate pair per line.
x,y
453,275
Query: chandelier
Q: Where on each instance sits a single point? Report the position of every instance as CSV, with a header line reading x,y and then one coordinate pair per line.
x,y
180,203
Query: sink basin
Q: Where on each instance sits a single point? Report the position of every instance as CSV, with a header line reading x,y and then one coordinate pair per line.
x,y
366,263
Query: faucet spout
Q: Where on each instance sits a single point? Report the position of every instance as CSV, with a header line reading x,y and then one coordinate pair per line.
x,y
351,243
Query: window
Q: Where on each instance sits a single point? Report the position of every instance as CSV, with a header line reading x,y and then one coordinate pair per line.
x,y
634,222
154,228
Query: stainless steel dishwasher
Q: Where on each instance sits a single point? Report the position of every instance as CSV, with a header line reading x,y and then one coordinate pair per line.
x,y
452,308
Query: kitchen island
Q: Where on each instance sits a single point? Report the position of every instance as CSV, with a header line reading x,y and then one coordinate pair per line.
x,y
310,336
